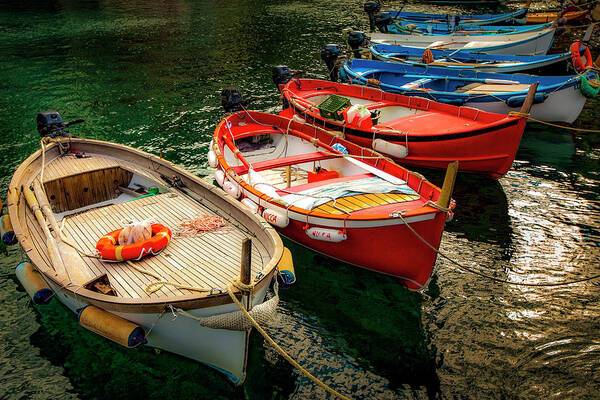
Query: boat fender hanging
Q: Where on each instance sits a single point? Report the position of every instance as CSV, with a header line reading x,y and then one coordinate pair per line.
x,y
285,266
454,102
232,188
517,101
392,149
220,177
212,159
276,218
112,327
6,231
251,205
327,235
33,283
110,250
576,59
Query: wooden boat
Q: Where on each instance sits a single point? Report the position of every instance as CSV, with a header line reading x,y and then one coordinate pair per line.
x,y
528,43
542,17
558,98
83,189
420,132
462,59
332,196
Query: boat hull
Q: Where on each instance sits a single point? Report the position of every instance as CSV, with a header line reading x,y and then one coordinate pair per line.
x,y
563,105
533,43
221,349
400,253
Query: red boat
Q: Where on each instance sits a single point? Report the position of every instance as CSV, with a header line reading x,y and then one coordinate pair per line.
x,y
412,130
333,196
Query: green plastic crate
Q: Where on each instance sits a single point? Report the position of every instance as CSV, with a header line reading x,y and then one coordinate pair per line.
x,y
330,107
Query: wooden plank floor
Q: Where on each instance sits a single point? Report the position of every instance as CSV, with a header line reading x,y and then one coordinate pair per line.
x,y
210,260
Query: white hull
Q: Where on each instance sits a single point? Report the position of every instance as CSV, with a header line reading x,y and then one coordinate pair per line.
x,y
529,43
564,105
224,350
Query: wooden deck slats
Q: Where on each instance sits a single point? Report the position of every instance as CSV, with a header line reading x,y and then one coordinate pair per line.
x,y
210,260
363,201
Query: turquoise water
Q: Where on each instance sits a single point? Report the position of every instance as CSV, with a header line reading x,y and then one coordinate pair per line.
x,y
149,74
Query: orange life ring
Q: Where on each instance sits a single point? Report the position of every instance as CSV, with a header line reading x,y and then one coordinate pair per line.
x,y
109,249
576,57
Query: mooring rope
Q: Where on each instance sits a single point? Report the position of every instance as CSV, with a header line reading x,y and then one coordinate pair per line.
x,y
572,128
481,274
239,285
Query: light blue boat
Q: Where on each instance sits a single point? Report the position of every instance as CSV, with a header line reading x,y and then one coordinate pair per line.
x,y
558,98
403,27
462,59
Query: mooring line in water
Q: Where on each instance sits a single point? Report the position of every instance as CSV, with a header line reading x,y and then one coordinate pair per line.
x,y
572,128
279,349
493,278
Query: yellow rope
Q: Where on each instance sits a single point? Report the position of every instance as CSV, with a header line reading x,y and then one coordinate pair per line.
x,y
161,282
529,117
279,349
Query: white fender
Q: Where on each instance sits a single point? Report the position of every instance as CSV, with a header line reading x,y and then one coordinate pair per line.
x,y
220,177
327,235
212,159
276,218
232,188
252,206
393,149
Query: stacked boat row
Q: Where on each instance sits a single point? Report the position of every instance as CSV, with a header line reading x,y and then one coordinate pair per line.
x,y
322,172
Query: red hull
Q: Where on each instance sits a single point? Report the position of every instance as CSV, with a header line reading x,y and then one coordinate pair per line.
x,y
438,134
398,251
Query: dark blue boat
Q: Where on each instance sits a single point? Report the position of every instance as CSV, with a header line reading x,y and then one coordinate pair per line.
x,y
558,98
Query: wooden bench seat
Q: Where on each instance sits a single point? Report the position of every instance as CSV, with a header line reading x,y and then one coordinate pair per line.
x,y
285,161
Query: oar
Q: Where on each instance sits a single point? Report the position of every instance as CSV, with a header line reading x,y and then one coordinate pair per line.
x,y
53,252
528,103
72,261
448,187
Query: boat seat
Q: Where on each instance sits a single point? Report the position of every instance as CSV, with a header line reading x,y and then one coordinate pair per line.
x,y
489,88
285,161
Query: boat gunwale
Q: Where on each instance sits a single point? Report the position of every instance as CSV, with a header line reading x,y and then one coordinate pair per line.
x,y
120,304
502,121
424,210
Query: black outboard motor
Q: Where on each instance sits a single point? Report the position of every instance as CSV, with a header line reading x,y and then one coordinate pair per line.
x,y
50,123
329,55
232,100
382,20
282,75
372,8
356,40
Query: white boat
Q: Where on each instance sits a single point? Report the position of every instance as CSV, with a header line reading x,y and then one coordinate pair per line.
x,y
529,43
68,195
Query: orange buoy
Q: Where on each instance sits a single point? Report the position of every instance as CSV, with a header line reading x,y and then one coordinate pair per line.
x,y
576,57
109,249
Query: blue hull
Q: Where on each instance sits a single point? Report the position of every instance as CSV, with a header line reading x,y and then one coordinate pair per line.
x,y
426,28
448,85
517,17
462,59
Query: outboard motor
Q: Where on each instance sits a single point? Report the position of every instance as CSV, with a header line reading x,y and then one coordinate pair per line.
x,y
330,54
232,100
372,8
357,39
50,123
282,75
382,20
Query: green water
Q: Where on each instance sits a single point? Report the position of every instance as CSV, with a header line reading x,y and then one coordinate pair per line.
x,y
149,74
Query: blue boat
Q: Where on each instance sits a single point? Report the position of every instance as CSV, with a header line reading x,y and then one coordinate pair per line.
x,y
517,17
436,28
558,98
462,59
